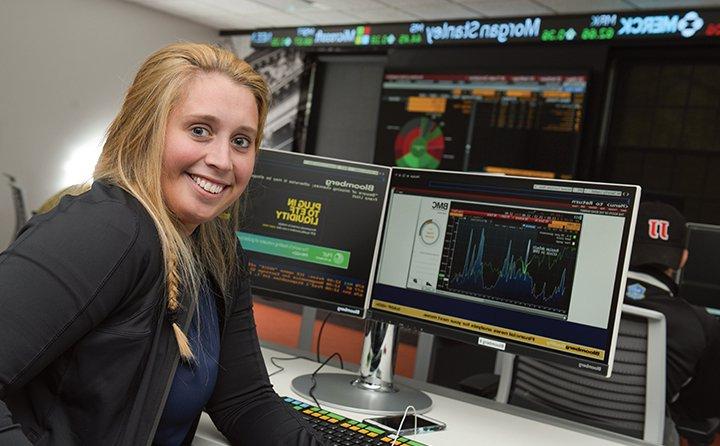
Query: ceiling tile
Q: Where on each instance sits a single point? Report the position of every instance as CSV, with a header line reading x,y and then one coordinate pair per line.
x,y
507,8
240,21
232,22
290,6
344,5
384,15
214,13
254,21
431,11
328,17
582,6
251,14
180,7
280,19
403,4
235,6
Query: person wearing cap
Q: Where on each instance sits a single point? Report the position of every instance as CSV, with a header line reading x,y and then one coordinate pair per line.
x,y
693,336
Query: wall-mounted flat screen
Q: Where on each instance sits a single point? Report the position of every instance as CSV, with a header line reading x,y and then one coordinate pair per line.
x,y
524,124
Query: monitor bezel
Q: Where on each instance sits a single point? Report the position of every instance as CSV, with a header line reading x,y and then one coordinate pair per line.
x,y
694,227
347,310
594,366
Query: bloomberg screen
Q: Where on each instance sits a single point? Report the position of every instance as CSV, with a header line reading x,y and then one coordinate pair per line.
x,y
518,264
312,228
528,124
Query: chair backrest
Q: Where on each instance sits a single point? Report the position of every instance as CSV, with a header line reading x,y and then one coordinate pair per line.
x,y
19,203
631,401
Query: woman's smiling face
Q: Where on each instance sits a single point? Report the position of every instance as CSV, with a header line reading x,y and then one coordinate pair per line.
x,y
210,144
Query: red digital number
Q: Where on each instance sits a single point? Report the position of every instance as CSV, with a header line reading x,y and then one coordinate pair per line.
x,y
713,30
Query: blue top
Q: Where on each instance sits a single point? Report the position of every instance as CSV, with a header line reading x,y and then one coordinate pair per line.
x,y
193,383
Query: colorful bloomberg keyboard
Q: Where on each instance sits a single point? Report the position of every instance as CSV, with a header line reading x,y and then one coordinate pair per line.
x,y
338,430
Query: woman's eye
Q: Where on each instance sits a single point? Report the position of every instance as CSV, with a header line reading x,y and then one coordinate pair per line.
x,y
242,142
200,131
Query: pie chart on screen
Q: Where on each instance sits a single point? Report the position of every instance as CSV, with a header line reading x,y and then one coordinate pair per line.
x,y
419,144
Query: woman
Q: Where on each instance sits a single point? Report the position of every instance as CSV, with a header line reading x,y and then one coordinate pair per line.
x,y
126,310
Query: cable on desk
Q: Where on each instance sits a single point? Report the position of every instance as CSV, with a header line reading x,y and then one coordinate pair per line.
x,y
281,368
397,434
322,326
314,381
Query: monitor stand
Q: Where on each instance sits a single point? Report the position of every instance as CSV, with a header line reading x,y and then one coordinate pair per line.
x,y
372,392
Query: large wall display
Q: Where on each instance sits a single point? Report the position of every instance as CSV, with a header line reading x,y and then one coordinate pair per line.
x,y
523,124
627,25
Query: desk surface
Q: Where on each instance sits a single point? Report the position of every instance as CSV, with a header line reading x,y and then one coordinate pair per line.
x,y
467,417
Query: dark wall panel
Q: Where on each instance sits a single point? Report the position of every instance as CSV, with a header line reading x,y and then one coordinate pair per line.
x,y
349,97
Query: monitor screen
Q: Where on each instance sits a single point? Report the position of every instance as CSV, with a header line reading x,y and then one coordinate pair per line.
x,y
700,278
312,228
528,124
523,265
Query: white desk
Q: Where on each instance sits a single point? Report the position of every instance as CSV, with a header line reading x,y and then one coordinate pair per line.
x,y
470,420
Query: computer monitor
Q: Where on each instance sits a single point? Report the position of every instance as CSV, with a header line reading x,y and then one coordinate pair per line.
x,y
523,265
311,236
700,277
312,229
527,123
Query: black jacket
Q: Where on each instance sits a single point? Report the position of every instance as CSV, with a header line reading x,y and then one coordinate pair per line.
x,y
693,343
87,354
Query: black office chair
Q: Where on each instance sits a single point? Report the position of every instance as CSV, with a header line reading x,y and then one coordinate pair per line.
x,y
19,204
631,402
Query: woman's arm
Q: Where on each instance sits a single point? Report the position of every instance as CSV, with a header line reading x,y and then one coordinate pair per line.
x,y
62,276
244,406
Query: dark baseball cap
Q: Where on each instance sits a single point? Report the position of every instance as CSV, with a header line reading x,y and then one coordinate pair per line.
x,y
659,236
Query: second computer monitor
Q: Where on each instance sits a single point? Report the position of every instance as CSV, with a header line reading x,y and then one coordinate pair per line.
x,y
700,277
312,229
521,265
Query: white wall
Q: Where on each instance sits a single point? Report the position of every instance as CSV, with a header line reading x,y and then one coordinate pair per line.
x,y
64,68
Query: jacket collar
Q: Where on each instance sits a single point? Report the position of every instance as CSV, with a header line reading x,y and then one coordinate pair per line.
x,y
654,277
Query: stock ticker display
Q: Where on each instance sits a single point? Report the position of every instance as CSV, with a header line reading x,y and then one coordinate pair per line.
x,y
676,24
517,124
297,238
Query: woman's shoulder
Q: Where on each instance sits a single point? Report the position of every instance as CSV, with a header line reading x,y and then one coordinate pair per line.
x,y
103,202
105,217
102,197
101,239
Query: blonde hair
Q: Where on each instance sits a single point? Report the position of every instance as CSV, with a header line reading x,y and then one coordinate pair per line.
x,y
132,159
50,203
